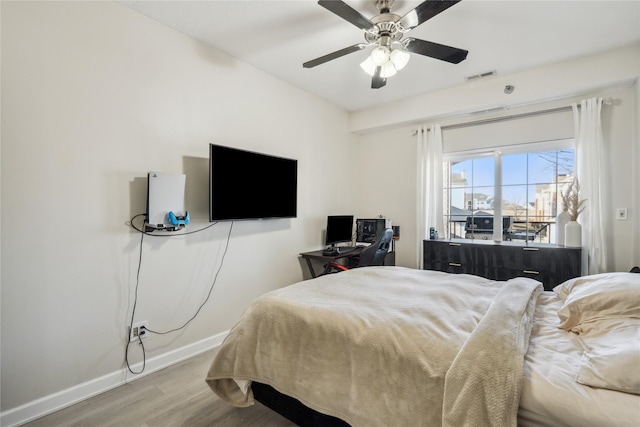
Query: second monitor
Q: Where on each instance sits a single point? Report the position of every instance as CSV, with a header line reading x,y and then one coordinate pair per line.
x,y
339,229
369,230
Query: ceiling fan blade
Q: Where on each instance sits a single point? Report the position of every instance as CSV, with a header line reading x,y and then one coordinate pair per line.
x,y
423,12
334,55
377,82
347,13
437,51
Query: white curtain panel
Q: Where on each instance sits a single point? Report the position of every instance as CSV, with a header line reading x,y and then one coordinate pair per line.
x,y
429,186
592,173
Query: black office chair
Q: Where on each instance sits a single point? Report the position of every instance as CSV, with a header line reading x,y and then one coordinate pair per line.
x,y
370,256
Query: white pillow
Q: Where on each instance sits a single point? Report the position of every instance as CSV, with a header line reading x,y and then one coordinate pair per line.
x,y
611,357
599,296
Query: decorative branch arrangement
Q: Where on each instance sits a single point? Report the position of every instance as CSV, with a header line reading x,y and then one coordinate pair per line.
x,y
571,201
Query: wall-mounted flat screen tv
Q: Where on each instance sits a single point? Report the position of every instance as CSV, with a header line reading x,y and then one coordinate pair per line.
x,y
249,185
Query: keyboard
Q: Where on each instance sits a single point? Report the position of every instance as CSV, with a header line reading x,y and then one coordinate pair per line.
x,y
338,250
346,249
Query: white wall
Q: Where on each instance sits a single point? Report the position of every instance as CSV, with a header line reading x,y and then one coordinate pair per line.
x,y
387,139
94,96
578,76
635,177
386,164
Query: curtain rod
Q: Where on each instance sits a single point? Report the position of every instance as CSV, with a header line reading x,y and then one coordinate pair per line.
x,y
606,101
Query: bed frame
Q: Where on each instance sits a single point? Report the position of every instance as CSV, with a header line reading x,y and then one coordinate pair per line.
x,y
292,409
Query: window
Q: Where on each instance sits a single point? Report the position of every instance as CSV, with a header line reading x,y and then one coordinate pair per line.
x,y
518,187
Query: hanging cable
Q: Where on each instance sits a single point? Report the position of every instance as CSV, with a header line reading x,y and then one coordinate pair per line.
x,y
208,294
166,235
135,301
133,313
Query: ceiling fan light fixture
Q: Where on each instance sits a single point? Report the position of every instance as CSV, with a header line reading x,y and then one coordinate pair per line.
x,y
388,70
399,58
368,66
380,55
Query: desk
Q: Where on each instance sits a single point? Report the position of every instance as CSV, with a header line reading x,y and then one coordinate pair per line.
x,y
317,255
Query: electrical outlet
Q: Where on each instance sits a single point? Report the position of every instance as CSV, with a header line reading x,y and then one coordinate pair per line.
x,y
139,331
621,213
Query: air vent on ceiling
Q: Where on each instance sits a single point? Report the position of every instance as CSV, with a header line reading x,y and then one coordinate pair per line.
x,y
481,75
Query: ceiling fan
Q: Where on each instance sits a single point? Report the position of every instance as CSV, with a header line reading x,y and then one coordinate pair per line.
x,y
386,31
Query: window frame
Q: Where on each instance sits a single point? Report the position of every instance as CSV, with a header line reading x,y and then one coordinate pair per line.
x,y
497,152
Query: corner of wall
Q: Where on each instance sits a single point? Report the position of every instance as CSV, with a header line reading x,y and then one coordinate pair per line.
x,y
635,202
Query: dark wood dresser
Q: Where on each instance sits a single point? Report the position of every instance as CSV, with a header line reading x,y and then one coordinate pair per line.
x,y
549,264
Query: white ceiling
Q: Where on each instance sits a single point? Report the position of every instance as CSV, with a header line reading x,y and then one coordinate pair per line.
x,y
506,36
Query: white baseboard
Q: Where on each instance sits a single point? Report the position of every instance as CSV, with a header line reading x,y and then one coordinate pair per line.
x,y
54,402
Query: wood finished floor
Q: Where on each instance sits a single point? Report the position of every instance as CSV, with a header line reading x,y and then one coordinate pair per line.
x,y
174,396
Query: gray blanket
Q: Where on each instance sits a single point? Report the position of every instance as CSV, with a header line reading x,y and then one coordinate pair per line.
x,y
381,346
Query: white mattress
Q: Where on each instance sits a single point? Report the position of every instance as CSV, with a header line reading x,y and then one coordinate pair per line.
x,y
551,396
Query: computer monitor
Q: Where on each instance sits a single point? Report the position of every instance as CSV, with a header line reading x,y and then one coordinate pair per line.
x,y
368,230
339,229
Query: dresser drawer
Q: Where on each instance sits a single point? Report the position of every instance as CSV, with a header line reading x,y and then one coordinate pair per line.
x,y
446,256
457,257
549,264
527,258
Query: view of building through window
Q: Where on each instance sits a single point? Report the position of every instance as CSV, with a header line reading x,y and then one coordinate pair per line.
x,y
527,188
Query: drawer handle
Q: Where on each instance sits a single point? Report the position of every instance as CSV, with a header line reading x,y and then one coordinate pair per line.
x,y
530,249
455,244
455,264
530,271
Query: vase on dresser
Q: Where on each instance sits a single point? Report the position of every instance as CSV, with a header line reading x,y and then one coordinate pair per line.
x,y
573,234
561,220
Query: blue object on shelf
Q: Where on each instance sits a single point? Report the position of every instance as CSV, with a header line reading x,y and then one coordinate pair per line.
x,y
179,220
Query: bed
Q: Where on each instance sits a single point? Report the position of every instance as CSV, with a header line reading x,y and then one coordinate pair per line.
x,y
382,346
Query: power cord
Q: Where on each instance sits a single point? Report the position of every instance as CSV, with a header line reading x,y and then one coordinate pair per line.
x,y
144,357
133,313
166,235
135,301
208,294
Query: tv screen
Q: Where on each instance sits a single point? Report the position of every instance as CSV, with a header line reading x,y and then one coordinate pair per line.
x,y
248,185
339,229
